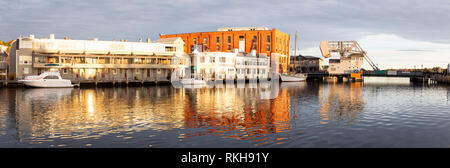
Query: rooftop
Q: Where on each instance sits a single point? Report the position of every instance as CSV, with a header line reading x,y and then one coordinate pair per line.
x,y
242,28
167,40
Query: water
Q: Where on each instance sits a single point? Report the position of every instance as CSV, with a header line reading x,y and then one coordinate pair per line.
x,y
291,115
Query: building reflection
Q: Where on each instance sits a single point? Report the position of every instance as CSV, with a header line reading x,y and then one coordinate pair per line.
x,y
239,113
45,114
90,113
340,102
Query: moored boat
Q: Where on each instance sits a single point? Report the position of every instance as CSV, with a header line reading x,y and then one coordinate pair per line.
x,y
47,80
192,81
293,78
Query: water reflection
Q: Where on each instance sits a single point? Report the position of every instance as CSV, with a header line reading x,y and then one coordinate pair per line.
x,y
340,102
230,111
239,115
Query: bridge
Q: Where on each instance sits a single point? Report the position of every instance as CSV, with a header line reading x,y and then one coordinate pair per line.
x,y
414,76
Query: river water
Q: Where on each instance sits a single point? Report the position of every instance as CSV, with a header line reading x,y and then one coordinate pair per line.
x,y
313,114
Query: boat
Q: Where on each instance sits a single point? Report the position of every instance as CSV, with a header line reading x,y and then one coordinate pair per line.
x,y
296,77
293,78
47,80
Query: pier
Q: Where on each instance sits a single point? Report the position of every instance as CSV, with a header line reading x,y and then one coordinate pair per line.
x,y
414,76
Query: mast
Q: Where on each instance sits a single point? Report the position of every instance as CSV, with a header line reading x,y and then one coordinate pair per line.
x,y
295,52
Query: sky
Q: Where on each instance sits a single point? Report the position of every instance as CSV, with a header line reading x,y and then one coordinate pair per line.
x,y
394,33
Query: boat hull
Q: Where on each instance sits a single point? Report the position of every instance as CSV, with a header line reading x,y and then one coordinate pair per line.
x,y
192,82
48,83
289,78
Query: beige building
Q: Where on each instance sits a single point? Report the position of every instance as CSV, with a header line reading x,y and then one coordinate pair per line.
x,y
346,65
98,61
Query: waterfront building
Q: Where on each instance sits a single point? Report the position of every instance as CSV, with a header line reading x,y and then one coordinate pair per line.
x,y
305,64
3,61
273,43
229,65
346,65
98,61
252,66
213,65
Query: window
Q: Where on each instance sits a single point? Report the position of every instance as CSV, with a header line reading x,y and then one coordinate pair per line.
x,y
217,48
51,77
195,40
206,49
65,71
229,47
268,48
255,38
217,39
205,40
229,39
170,49
114,71
25,71
212,59
25,60
223,59
268,39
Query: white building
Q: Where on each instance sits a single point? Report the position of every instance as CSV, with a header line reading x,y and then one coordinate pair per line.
x,y
3,61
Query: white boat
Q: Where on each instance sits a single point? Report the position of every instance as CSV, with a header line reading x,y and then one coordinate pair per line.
x,y
192,81
47,80
293,78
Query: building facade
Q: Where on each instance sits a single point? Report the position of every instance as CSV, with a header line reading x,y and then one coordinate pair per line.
x,y
274,43
3,62
217,66
98,61
305,64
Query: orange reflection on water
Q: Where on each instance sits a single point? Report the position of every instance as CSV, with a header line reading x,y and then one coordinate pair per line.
x,y
239,112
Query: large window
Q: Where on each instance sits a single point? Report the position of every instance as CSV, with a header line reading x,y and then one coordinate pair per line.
x,y
217,48
268,48
205,40
195,40
268,39
217,39
229,39
229,47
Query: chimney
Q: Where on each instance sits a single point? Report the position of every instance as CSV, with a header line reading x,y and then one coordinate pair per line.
x,y
148,40
52,36
65,38
31,36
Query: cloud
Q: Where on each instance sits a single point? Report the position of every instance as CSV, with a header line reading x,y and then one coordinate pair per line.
x,y
316,20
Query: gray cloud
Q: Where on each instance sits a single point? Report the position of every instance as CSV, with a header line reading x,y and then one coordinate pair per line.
x,y
316,20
